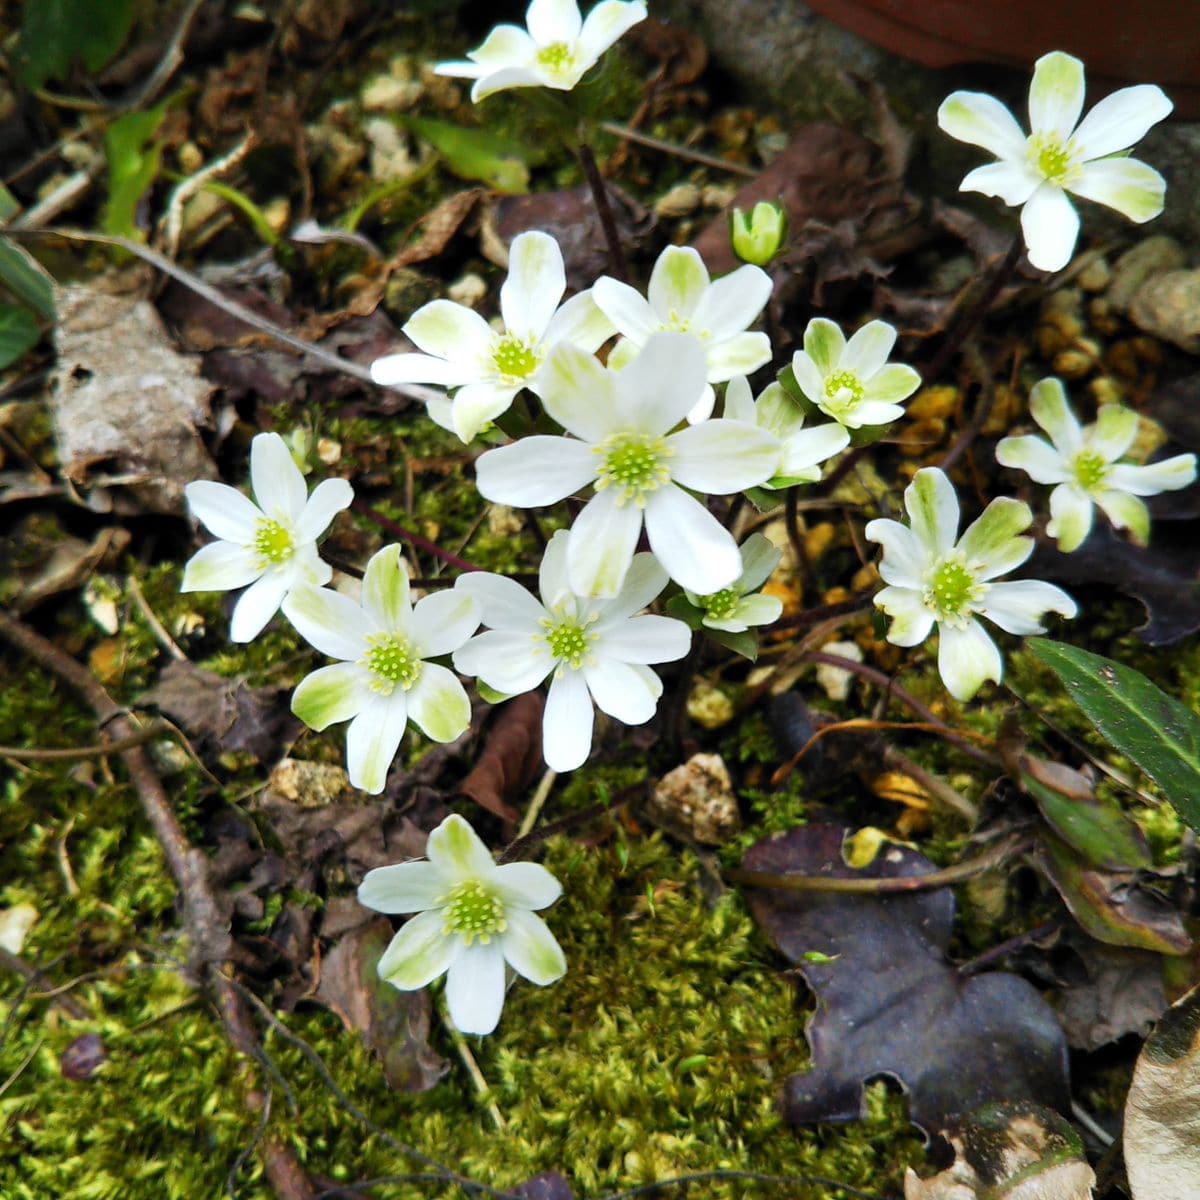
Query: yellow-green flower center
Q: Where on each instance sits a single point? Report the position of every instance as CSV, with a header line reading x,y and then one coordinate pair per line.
x,y
1090,469
843,393
634,464
515,358
272,542
556,59
569,640
1053,158
721,605
472,912
391,660
951,589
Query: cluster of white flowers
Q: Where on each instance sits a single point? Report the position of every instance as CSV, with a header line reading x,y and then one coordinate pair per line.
x,y
640,450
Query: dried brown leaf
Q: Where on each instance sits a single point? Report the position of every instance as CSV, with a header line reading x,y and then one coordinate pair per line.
x,y
510,759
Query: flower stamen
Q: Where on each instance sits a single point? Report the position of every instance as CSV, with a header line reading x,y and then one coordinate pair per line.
x,y
952,591
1090,469
722,605
569,640
391,660
1052,158
843,393
558,59
633,463
514,358
272,543
473,912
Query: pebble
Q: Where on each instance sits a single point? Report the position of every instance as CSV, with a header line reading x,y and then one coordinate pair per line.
x,y
308,784
469,289
681,201
1168,306
708,706
697,800
1096,276
836,681
1150,257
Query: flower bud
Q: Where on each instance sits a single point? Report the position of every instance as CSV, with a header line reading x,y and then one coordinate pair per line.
x,y
759,237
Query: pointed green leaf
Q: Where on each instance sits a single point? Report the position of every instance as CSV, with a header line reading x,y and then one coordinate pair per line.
x,y
19,333
1136,717
55,33
26,279
133,157
477,154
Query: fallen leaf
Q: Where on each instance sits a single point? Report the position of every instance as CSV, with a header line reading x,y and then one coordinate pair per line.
x,y
510,759
1162,1113
126,402
48,562
1014,1151
83,1058
549,1185
225,713
890,1003
1108,992
392,1023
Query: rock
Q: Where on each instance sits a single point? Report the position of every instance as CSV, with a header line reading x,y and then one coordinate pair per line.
x,y
1151,256
696,800
680,201
836,681
1168,306
308,784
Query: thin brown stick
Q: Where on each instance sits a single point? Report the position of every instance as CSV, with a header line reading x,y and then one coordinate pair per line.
x,y
101,750
15,963
939,789
888,886
405,534
205,918
697,156
608,222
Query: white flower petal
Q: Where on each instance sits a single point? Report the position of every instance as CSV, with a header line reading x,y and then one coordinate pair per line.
x,y
581,322
1113,432
535,471
869,412
567,722
991,543
257,605
331,695
385,592
510,77
220,567
643,582
601,545
476,405
982,120
1070,517
403,888
1056,94
330,622
732,303
932,507
760,556
419,953
868,349
508,661
694,548
438,703
704,406
458,851
450,331
1050,225
223,511
524,885
373,738
424,368
1018,605
911,618
536,280
1135,190
750,611
1012,182
656,390
738,355
905,558
530,948
442,621
677,284
1120,119
620,691
626,308
1126,512
275,480
739,401
811,446
504,603
824,344
1049,408
579,393
551,21
1169,475
1033,455
504,46
608,21
475,988
808,374
648,639
891,384
553,580
720,456
967,657
328,498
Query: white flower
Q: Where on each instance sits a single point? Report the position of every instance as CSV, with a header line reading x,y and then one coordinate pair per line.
x,y
487,367
383,679
682,299
852,381
474,916
271,544
735,608
933,578
622,423
597,650
1062,154
558,50
1082,461
775,411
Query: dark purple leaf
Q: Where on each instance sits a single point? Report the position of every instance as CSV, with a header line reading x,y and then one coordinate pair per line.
x,y
83,1058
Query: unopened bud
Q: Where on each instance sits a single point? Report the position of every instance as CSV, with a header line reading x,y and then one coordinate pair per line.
x,y
759,237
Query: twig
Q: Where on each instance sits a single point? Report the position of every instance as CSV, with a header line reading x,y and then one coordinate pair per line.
x,y
974,965
697,156
939,789
139,737
887,886
171,224
987,395
406,534
616,253
529,820
21,1067
164,639
15,963
482,1089
169,61
207,927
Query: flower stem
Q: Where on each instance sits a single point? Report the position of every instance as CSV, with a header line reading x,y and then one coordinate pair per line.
x,y
608,222
397,530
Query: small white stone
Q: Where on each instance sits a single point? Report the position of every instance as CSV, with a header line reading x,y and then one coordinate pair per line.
x,y
468,290
682,200
835,680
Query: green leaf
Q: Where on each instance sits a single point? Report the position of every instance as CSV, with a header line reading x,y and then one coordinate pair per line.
x,y
1136,717
19,333
132,165
26,278
478,154
55,34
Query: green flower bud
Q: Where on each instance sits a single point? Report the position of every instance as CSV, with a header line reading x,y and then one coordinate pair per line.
x,y
759,237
